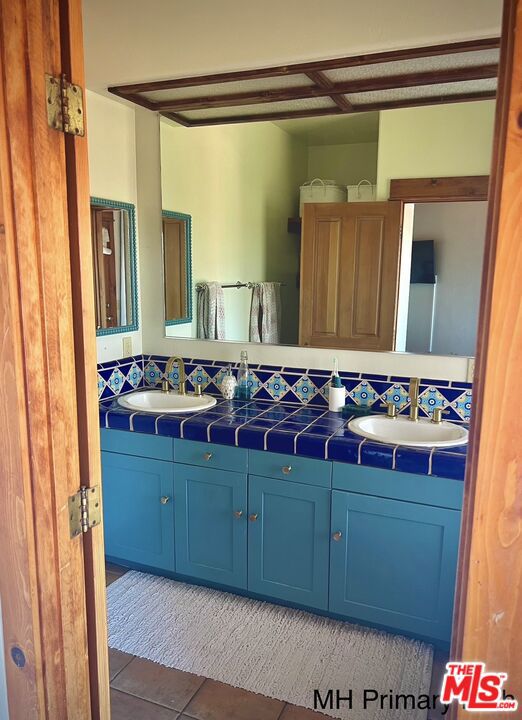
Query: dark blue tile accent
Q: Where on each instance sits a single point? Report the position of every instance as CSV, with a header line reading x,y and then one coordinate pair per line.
x,y
271,368
450,465
373,376
107,364
439,383
263,394
343,448
329,422
402,379
294,427
311,445
126,388
144,423
319,381
450,393
251,438
318,371
169,426
379,386
377,455
463,385
349,384
260,423
319,430
119,419
307,413
199,361
300,371
346,375
195,429
224,433
280,441
318,401
107,393
412,460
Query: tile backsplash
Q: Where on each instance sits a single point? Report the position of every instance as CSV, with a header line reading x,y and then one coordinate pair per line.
x,y
290,384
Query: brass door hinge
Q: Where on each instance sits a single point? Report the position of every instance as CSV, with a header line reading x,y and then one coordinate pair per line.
x,y
64,105
84,510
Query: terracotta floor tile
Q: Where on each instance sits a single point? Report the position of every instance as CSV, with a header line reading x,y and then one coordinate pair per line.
x,y
216,701
128,707
292,712
165,686
117,661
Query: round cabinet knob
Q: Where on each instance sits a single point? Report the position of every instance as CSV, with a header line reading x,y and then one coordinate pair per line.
x,y
337,536
207,456
238,513
164,500
253,517
287,469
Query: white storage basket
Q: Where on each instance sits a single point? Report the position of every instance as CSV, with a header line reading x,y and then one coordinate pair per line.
x,y
362,192
320,191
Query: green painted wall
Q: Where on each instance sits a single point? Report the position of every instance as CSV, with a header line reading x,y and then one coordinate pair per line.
x,y
437,140
347,164
240,183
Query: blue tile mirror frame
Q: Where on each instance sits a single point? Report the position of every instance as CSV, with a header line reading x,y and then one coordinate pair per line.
x,y
177,267
113,232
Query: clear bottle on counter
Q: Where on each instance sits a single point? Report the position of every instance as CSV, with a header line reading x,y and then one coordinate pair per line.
x,y
243,391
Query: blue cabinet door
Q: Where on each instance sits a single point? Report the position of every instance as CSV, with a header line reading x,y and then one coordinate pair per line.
x,y
211,524
394,563
138,510
288,541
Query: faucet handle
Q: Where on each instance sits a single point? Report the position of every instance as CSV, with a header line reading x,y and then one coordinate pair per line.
x,y
437,414
391,409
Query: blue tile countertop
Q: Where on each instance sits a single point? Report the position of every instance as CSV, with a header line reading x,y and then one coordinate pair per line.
x,y
287,428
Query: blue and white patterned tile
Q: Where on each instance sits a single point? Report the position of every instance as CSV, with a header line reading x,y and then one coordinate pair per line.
x,y
152,373
430,399
462,405
101,385
364,394
116,381
397,395
277,387
304,389
218,377
199,376
254,383
135,375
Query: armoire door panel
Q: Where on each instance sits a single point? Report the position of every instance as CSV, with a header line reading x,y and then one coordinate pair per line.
x,y
367,285
350,255
326,276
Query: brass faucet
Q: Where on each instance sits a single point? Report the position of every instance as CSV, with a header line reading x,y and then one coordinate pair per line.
x,y
182,387
414,399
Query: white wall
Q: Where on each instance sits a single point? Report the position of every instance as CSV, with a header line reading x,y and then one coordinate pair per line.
x,y
346,164
112,170
458,230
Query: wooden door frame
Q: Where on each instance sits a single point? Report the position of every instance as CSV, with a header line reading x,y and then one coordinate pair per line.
x,y
52,585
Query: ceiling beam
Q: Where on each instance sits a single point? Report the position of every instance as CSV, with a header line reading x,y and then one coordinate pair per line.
x,y
302,68
321,80
429,77
297,114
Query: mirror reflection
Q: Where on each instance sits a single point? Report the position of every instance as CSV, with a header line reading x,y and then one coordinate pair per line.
x,y
177,239
298,243
113,246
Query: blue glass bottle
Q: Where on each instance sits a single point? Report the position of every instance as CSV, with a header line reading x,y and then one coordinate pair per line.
x,y
244,391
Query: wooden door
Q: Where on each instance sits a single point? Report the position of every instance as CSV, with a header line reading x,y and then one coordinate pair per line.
x,y
138,510
175,262
288,542
52,586
393,563
211,524
350,255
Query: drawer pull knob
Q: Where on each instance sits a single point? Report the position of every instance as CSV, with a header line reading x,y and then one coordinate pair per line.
x,y
164,500
207,456
337,536
238,514
287,469
253,517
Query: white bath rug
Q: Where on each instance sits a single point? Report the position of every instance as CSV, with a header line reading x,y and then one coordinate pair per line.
x,y
268,649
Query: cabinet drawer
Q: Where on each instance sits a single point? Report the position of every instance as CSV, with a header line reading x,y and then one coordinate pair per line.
x,y
425,489
138,444
291,467
211,455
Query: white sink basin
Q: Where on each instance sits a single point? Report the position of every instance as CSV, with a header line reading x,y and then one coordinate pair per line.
x,y
402,431
157,401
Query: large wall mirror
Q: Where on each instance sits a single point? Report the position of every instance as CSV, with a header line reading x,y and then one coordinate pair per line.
x,y
177,267
114,255
366,263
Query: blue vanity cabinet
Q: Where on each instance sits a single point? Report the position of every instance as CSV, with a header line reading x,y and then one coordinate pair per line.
x,y
138,510
211,524
288,541
394,563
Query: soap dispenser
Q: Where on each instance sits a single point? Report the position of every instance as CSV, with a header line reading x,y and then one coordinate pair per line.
x,y
336,391
228,385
